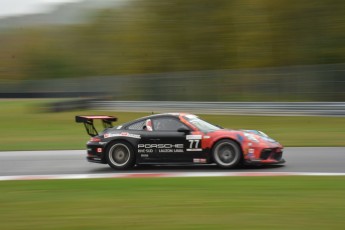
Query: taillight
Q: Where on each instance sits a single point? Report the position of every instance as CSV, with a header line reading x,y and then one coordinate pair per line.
x,y
95,139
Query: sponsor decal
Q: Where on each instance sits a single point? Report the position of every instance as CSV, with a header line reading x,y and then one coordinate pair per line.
x,y
199,160
162,148
250,154
99,150
170,150
192,150
193,137
239,137
206,137
123,134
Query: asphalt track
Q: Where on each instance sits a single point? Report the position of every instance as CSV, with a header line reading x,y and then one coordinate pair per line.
x,y
304,159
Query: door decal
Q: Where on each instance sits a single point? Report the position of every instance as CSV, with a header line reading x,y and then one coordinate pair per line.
x,y
194,143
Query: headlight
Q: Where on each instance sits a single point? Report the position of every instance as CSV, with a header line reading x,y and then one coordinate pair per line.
x,y
251,137
269,139
263,134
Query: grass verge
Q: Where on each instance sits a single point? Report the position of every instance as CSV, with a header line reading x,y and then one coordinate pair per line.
x,y
25,126
175,203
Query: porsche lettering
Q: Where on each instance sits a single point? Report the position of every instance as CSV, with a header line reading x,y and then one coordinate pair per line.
x,y
161,146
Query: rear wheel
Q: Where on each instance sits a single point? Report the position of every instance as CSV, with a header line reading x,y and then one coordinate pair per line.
x,y
120,155
227,154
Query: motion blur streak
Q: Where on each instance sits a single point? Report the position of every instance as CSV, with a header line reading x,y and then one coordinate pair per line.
x,y
217,50
230,108
155,175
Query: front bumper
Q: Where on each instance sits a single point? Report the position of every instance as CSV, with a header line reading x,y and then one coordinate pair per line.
x,y
264,162
268,156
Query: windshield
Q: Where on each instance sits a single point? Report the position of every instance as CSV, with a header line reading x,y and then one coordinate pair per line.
x,y
201,124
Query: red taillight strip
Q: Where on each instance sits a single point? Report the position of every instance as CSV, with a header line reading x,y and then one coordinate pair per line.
x,y
95,139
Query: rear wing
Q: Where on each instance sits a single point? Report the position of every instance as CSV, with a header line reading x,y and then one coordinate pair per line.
x,y
89,126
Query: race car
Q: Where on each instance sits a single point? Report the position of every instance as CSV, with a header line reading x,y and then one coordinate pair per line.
x,y
176,138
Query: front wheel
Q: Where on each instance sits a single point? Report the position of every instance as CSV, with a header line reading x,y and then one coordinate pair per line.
x,y
120,155
227,154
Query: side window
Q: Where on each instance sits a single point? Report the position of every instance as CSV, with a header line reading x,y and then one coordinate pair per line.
x,y
167,124
137,126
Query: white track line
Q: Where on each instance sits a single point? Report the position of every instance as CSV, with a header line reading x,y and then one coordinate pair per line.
x,y
156,175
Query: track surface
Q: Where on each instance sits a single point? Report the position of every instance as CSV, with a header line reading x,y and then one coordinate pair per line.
x,y
313,159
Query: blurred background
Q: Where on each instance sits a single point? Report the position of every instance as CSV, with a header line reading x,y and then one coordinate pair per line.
x,y
196,50
214,57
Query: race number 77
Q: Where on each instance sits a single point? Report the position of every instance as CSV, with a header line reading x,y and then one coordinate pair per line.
x,y
194,144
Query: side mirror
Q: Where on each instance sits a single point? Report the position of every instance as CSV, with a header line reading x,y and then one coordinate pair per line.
x,y
183,130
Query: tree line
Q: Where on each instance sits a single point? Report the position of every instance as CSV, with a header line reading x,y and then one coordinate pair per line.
x,y
154,36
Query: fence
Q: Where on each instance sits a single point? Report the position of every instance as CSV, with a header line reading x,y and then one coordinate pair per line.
x,y
235,108
292,83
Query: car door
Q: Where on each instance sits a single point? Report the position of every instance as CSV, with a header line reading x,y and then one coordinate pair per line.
x,y
146,146
171,144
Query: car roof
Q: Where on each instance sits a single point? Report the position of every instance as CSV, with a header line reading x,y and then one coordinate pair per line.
x,y
177,115
165,114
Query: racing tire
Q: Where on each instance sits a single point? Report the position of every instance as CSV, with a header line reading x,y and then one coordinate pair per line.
x,y
120,155
227,154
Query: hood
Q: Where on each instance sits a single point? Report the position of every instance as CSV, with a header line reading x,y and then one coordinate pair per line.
x,y
252,135
261,134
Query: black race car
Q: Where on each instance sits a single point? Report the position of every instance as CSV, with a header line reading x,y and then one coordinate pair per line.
x,y
176,138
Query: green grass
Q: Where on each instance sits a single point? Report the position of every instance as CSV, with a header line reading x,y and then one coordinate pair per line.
x,y
175,203
25,126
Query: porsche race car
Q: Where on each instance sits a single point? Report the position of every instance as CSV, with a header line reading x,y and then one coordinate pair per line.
x,y
176,138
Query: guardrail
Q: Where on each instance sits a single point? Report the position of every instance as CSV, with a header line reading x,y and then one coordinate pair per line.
x,y
230,108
